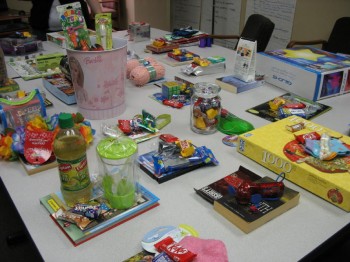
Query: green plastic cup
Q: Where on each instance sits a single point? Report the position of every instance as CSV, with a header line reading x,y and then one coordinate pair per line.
x,y
117,157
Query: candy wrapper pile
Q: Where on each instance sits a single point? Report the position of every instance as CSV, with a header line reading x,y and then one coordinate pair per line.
x,y
141,127
205,66
13,142
174,154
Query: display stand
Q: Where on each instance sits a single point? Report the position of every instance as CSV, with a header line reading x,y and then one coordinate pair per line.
x,y
245,60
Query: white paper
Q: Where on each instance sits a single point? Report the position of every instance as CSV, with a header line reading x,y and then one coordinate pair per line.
x,y
186,13
245,60
281,12
227,18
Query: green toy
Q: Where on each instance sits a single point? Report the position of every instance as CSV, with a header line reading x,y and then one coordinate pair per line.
x,y
232,125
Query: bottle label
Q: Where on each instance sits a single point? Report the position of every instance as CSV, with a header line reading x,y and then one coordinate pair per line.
x,y
74,174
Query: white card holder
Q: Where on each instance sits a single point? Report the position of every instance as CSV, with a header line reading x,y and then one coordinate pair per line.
x,y
245,60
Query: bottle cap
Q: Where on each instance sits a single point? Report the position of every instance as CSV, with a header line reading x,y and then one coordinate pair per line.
x,y
65,120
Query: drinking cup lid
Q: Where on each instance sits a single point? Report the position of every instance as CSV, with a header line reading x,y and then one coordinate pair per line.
x,y
116,148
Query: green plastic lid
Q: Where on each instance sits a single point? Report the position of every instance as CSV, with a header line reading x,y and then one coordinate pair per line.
x,y
65,120
116,148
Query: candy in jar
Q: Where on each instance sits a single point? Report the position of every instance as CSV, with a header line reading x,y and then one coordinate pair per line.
x,y
205,108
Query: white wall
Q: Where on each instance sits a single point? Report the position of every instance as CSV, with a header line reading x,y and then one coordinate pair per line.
x,y
314,19
155,12
24,5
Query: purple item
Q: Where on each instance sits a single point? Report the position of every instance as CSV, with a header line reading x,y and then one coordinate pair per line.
x,y
209,41
203,42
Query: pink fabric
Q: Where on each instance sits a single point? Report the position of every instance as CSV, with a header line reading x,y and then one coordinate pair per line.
x,y
207,250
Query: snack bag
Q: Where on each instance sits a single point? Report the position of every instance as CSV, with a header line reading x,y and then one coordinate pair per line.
x,y
38,146
17,112
103,25
74,26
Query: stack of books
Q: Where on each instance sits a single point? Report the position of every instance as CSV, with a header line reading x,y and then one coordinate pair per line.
x,y
234,85
242,215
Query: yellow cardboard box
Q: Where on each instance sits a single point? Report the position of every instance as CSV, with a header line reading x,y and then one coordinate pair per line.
x,y
277,149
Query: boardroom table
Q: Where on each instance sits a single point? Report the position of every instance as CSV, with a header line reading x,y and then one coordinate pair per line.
x,y
288,237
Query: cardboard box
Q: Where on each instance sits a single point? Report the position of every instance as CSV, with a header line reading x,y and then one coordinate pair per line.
x,y
308,72
182,55
61,88
57,38
162,49
139,31
49,61
277,149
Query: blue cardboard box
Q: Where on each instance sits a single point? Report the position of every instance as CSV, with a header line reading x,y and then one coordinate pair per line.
x,y
61,88
306,71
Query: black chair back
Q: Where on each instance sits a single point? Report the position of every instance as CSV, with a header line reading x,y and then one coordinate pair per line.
x,y
339,40
259,28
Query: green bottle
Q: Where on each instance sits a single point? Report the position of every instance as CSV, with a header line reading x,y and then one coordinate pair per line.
x,y
70,151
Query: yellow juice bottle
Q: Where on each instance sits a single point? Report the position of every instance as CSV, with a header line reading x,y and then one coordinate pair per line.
x,y
70,151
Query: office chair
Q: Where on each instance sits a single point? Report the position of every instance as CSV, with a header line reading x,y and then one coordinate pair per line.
x,y
339,39
257,28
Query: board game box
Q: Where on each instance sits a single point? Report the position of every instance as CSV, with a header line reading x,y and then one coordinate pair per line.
x,y
275,147
306,71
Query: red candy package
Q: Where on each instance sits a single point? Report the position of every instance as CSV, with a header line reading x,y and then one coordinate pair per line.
x,y
169,138
234,181
312,135
174,250
173,103
124,126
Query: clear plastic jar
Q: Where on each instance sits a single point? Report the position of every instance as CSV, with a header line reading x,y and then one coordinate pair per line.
x,y
205,108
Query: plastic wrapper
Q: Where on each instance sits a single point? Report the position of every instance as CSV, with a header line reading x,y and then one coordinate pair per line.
x,y
17,112
90,211
175,251
20,46
286,112
103,25
303,137
81,221
74,26
196,70
170,159
326,148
